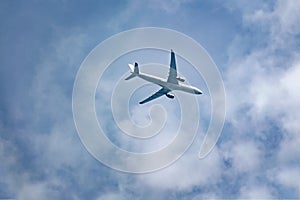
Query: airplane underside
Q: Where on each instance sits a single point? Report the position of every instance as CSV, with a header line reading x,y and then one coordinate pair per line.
x,y
167,85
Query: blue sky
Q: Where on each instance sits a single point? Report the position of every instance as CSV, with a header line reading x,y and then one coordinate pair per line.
x,y
256,47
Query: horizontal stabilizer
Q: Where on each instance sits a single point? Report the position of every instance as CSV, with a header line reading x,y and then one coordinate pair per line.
x,y
130,76
131,67
134,71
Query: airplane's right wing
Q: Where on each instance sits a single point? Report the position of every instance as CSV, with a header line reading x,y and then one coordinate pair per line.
x,y
173,71
159,93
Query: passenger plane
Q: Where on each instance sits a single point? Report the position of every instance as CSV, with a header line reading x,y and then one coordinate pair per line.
x,y
172,83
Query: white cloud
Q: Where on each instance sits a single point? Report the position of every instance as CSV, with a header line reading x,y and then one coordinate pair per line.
x,y
288,13
186,173
169,7
256,191
259,88
45,157
262,86
264,80
111,196
208,195
245,155
289,114
33,191
289,176
289,149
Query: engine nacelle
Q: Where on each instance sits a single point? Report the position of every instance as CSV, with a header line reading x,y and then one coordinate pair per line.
x,y
180,79
171,96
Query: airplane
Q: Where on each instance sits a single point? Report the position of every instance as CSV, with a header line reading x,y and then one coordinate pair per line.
x,y
173,82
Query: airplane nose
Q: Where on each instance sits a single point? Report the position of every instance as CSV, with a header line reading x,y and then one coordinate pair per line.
x,y
197,91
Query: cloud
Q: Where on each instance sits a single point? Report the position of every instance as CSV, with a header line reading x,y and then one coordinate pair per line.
x,y
244,155
43,157
186,173
289,176
288,14
263,97
257,157
256,191
170,7
33,191
137,13
111,196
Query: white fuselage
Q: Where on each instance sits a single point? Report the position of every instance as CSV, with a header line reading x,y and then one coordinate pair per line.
x,y
171,86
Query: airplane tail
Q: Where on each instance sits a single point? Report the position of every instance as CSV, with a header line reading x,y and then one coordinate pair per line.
x,y
134,71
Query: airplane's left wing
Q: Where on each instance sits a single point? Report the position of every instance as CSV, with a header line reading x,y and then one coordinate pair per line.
x,y
173,71
159,93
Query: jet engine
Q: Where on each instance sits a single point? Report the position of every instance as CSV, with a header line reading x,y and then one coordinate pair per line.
x,y
180,79
171,96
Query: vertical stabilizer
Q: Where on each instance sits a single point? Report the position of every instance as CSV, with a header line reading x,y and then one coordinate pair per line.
x,y
134,70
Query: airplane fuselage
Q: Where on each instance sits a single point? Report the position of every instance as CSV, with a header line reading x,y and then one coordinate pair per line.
x,y
167,85
171,86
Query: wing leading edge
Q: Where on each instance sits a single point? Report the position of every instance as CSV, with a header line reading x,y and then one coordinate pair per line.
x,y
172,78
159,93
